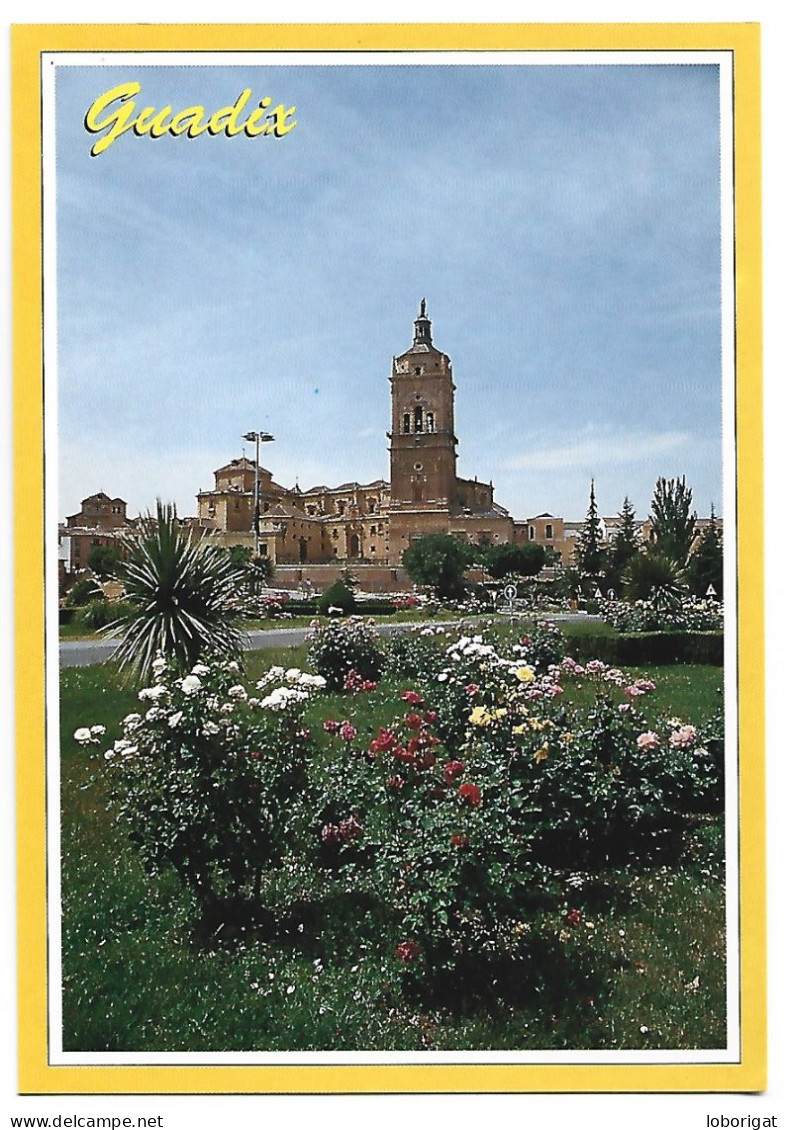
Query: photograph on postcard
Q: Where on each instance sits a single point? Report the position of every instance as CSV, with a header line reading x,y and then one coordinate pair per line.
x,y
391,558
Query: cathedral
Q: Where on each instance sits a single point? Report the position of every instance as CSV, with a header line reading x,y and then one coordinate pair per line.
x,y
372,523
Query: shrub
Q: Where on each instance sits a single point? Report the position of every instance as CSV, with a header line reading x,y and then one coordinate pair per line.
x,y
416,653
341,646
657,648
83,590
204,781
102,613
337,595
543,646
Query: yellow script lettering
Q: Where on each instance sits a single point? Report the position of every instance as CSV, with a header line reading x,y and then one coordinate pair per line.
x,y
116,112
118,121
217,124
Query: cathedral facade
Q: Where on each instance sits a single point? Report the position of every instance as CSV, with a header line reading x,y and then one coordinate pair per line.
x,y
372,523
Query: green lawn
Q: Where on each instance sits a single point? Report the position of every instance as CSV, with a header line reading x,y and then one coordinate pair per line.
x,y
650,973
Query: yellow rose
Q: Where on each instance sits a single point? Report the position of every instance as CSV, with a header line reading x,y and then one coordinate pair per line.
x,y
541,754
525,674
479,716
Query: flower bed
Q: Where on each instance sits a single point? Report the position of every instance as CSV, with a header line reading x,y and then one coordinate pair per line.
x,y
453,820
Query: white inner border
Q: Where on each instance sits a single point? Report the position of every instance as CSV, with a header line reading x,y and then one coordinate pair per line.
x,y
49,64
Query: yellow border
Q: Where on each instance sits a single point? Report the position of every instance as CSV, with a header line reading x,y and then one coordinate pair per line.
x,y
35,1075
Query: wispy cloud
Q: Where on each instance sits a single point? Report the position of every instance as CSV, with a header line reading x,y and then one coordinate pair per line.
x,y
599,451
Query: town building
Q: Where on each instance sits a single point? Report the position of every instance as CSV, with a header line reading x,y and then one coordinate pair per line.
x,y
374,523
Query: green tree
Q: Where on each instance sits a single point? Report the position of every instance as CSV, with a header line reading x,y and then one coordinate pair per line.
x,y
524,560
439,560
239,555
673,519
103,560
590,555
706,564
625,546
183,597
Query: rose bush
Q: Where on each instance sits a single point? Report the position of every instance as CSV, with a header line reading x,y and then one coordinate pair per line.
x,y
209,780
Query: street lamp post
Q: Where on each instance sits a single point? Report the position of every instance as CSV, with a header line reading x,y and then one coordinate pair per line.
x,y
257,438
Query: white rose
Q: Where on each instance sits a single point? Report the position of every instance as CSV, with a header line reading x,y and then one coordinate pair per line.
x,y
190,685
82,735
174,719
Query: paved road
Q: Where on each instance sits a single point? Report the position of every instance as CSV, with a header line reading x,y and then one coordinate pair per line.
x,y
86,653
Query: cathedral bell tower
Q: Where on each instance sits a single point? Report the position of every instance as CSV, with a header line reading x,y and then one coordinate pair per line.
x,y
423,444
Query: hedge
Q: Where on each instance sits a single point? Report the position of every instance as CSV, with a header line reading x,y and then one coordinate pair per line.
x,y
634,649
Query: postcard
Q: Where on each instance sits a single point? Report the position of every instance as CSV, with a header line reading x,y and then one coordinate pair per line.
x,y
389,577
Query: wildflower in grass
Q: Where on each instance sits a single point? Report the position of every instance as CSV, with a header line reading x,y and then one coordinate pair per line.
x,y
573,917
683,738
408,951
470,793
648,740
453,770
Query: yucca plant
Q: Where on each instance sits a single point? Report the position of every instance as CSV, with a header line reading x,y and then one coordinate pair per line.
x,y
652,576
183,597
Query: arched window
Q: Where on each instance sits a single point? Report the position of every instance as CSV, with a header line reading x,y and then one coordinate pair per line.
x,y
419,419
406,428
430,421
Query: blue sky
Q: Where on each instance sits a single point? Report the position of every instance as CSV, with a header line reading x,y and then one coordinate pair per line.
x,y
562,222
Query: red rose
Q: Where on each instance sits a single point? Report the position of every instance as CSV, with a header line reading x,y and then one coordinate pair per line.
x,y
405,755
330,726
255,755
458,841
573,918
413,697
395,782
407,951
330,834
452,770
413,721
430,716
385,740
472,688
470,793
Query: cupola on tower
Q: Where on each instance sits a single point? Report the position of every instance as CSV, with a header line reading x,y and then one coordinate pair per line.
x,y
423,444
